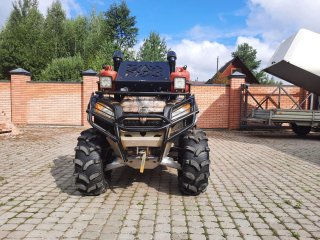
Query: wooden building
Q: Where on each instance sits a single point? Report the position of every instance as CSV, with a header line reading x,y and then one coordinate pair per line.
x,y
234,65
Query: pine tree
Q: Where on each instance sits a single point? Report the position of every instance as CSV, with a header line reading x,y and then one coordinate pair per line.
x,y
248,56
153,49
121,26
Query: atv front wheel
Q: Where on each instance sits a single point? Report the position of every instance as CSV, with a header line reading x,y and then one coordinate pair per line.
x,y
193,177
91,153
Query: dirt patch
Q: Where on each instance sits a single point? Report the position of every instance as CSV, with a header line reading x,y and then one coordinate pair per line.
x,y
36,133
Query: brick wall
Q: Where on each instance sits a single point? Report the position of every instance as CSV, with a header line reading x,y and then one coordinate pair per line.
x,y
213,102
5,105
27,102
53,103
219,105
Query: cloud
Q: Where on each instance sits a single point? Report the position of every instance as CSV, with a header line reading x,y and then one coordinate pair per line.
x,y
199,32
264,50
276,20
71,7
200,57
268,23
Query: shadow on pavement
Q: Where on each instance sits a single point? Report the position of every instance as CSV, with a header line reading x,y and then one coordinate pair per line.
x,y
159,178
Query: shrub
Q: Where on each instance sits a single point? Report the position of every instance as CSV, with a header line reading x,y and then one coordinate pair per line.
x,y
65,69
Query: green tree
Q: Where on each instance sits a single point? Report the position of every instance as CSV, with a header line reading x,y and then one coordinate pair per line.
x,y
32,41
103,56
76,33
54,31
21,43
248,56
98,46
121,26
63,69
263,78
153,48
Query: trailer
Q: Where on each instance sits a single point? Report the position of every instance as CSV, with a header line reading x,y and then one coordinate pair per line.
x,y
296,61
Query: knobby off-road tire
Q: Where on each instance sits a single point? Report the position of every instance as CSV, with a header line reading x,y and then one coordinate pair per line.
x,y
90,158
193,177
301,131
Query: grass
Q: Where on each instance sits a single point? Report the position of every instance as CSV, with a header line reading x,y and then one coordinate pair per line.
x,y
296,235
242,210
274,232
298,204
287,201
306,190
1,178
206,234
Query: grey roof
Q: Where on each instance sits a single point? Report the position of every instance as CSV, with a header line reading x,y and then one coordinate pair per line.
x,y
89,72
20,71
237,74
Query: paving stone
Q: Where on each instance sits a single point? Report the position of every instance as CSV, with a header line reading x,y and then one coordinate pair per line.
x,y
8,227
256,181
90,235
197,237
4,233
162,236
17,235
109,236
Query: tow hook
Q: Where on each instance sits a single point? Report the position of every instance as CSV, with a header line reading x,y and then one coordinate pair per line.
x,y
143,160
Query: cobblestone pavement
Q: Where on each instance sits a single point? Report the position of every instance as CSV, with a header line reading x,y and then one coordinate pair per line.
x,y
262,186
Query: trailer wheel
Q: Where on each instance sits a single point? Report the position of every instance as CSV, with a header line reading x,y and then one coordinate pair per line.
x,y
300,130
92,153
193,177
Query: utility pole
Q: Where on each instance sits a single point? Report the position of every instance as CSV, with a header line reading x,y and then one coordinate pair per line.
x,y
217,63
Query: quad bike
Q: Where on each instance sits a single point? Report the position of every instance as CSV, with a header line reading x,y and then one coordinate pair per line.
x,y
142,116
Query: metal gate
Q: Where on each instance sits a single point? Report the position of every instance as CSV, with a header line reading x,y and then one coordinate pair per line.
x,y
250,103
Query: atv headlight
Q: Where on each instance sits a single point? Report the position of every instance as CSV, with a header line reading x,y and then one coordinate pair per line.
x,y
104,110
181,111
179,83
105,82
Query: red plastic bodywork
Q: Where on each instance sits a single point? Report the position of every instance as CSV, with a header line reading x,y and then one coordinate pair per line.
x,y
180,72
108,72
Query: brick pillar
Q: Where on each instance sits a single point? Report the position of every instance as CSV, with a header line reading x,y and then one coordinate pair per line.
x,y
236,79
19,94
89,85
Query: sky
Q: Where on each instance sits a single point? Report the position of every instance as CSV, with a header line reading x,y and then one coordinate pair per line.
x,y
200,31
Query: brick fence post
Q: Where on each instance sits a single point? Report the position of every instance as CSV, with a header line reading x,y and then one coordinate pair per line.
x,y
89,85
236,80
19,94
